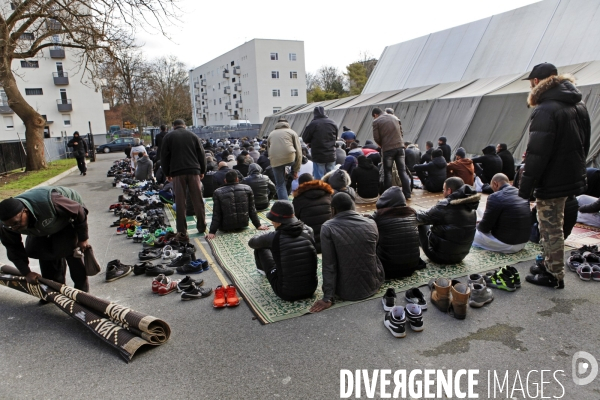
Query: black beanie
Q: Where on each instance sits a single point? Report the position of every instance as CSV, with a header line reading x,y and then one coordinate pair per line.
x,y
437,153
9,208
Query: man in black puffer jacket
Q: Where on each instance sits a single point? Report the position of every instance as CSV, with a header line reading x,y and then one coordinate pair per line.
x,y
287,256
321,135
559,141
233,207
505,226
365,180
312,204
262,187
433,174
508,161
488,165
446,230
398,246
445,147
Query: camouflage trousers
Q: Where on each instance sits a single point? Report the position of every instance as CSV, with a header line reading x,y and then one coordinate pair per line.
x,y
550,216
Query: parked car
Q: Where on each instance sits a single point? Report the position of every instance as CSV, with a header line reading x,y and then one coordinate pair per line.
x,y
119,144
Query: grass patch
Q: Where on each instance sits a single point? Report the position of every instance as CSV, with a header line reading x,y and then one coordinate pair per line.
x,y
18,182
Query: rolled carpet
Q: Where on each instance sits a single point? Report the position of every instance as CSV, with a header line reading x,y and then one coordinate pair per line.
x,y
121,327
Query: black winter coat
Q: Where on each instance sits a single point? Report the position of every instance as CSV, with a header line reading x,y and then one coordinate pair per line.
x,y
447,151
321,135
508,164
233,208
490,163
80,148
208,184
312,205
261,185
219,177
453,222
365,180
412,157
243,168
294,253
427,157
264,161
559,141
351,268
398,246
507,216
436,174
182,153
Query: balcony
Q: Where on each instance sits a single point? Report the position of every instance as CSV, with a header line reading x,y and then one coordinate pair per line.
x,y
238,87
237,70
227,90
203,82
53,25
198,98
60,78
226,74
64,105
5,108
228,106
239,104
57,53
196,85
204,109
204,96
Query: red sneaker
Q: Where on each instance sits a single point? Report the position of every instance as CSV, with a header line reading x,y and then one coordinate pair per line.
x,y
168,288
232,298
159,281
219,300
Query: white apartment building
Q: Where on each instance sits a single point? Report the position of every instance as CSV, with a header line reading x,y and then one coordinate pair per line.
x,y
56,86
250,82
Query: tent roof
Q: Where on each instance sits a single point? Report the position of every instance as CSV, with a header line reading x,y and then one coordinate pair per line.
x,y
483,86
439,90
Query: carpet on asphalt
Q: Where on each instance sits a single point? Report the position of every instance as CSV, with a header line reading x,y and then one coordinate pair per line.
x,y
233,254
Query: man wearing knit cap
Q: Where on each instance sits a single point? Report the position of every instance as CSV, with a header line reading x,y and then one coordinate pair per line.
x,y
54,219
287,256
462,167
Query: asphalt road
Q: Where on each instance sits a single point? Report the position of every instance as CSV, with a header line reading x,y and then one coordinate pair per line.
x,y
227,354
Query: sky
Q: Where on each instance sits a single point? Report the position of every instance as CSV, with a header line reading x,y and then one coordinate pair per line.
x,y
335,33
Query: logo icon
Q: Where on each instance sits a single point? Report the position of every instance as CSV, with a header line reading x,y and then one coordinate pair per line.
x,y
579,368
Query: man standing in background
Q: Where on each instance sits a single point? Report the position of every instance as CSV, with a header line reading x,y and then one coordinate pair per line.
x,y
321,135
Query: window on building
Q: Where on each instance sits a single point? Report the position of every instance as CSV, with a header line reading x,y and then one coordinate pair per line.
x,y
293,75
215,102
200,76
220,101
221,116
66,119
274,57
202,89
276,110
275,74
232,63
29,64
34,92
13,6
235,96
27,36
9,123
276,93
232,79
292,56
219,85
294,92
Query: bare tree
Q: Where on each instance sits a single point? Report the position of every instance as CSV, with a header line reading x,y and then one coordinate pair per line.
x,y
93,28
169,83
330,79
312,81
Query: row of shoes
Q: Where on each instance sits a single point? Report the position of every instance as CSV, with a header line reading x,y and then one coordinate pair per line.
x,y
189,288
586,263
119,167
397,316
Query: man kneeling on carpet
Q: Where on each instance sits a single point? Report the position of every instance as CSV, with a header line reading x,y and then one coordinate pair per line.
x,y
351,268
446,230
506,223
233,207
55,222
287,256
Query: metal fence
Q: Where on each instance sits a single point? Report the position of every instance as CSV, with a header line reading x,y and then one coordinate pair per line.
x,y
12,156
225,132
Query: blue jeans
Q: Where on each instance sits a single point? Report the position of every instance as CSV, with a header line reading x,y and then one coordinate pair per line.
x,y
320,169
280,175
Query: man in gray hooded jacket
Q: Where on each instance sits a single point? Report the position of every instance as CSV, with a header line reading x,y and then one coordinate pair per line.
x,y
262,187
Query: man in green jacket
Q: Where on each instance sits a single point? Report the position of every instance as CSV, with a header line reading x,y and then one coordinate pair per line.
x,y
54,219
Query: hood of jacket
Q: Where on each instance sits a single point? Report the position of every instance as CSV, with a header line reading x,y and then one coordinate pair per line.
x,y
489,150
337,179
144,160
282,125
314,186
557,87
319,112
465,195
294,229
349,164
392,197
365,162
254,169
439,162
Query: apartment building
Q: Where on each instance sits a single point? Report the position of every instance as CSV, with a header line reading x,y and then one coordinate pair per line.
x,y
250,82
56,86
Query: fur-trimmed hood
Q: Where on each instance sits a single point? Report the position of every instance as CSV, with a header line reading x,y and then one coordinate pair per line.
x,y
313,185
466,195
557,87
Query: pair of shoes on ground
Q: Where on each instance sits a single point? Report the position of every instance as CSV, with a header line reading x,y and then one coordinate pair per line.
x,y
191,289
116,270
150,269
226,296
163,285
480,293
586,265
396,316
540,276
193,267
450,296
506,278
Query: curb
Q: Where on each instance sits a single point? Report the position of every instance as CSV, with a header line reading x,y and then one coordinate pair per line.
x,y
56,178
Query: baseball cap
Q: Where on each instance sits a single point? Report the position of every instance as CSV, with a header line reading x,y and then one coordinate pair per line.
x,y
542,71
